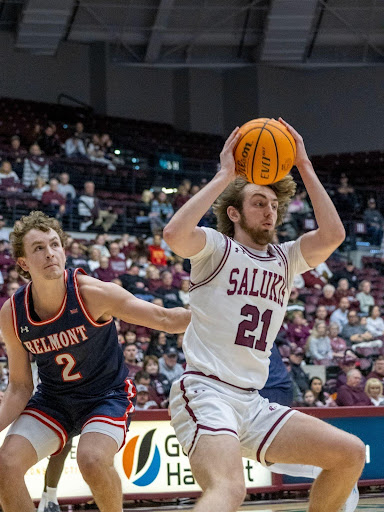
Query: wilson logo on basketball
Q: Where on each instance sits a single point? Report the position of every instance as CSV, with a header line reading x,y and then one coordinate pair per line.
x,y
141,460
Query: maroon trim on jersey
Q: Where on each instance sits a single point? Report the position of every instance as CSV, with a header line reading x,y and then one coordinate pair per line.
x,y
267,436
269,257
203,427
220,266
58,314
284,260
51,423
219,380
192,415
81,302
14,318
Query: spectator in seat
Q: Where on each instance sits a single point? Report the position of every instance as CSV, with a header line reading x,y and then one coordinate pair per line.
x,y
94,258
184,291
294,304
156,253
298,330
374,220
375,323
319,345
100,243
178,274
161,212
134,283
181,197
75,148
321,315
127,246
340,315
80,134
142,399
349,273
322,399
49,142
179,347
96,153
344,290
4,235
378,370
53,202
153,278
90,210
301,378
159,381
35,164
351,394
346,198
297,394
338,344
328,298
66,189
11,288
76,257
348,362
364,297
40,186
374,390
104,272
313,279
130,359
167,292
354,331
142,378
17,153
117,260
9,180
169,366
158,343
309,399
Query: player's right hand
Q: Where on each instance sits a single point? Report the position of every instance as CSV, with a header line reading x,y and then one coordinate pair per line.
x,y
227,159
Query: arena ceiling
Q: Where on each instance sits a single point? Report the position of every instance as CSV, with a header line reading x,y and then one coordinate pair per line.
x,y
215,33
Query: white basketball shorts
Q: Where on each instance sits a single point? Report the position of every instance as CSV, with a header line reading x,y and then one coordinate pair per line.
x,y
204,405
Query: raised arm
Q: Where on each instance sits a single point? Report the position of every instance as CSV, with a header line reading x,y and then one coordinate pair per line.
x,y
319,244
182,234
20,385
104,300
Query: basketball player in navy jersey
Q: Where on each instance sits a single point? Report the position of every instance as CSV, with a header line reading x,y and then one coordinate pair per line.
x,y
65,319
240,285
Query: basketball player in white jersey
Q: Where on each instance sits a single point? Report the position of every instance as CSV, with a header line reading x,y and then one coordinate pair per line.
x,y
239,292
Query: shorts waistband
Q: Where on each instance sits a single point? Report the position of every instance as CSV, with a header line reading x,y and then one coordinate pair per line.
x,y
191,372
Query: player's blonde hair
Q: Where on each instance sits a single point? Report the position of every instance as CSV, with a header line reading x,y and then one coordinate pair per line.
x,y
233,195
35,220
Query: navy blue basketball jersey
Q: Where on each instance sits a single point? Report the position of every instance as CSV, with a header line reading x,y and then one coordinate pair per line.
x,y
75,355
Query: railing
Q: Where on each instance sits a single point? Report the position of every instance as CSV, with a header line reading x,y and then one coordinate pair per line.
x,y
74,100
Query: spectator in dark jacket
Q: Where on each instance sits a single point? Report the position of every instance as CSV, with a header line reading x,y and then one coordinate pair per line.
x,y
167,292
300,377
351,394
374,220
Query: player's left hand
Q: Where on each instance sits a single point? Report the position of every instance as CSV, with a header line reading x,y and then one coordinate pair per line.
x,y
227,159
301,153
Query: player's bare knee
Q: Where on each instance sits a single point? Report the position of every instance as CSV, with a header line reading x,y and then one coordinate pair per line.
x,y
235,493
91,464
10,468
349,454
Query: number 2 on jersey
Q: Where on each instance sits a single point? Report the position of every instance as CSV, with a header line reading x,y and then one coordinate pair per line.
x,y
69,361
248,340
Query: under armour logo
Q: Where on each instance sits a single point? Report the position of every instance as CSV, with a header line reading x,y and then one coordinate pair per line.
x,y
272,407
73,311
24,329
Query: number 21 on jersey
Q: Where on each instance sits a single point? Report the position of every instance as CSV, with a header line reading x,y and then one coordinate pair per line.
x,y
248,340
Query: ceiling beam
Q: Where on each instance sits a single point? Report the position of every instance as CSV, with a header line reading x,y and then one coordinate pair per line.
x,y
158,29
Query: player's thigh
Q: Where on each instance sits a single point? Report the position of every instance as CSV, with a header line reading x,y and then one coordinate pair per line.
x,y
307,440
217,461
17,453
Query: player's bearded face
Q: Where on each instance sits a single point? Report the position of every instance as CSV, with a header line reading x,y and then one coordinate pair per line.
x,y
259,235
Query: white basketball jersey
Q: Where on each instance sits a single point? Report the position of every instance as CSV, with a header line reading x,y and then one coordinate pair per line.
x,y
238,298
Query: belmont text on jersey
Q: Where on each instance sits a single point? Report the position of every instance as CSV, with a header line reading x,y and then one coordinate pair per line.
x,y
257,283
57,341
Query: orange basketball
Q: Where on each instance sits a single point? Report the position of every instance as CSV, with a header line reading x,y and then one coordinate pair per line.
x,y
265,152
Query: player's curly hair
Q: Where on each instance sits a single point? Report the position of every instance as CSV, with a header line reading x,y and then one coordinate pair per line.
x,y
233,195
35,220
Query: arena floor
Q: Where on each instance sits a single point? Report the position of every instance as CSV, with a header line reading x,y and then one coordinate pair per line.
x,y
365,504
